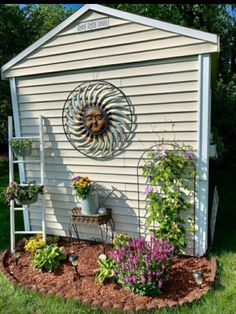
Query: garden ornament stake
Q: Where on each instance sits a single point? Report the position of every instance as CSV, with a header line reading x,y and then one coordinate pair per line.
x,y
16,255
73,258
198,276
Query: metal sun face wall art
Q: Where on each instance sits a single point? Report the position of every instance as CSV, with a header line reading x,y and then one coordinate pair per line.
x,y
97,119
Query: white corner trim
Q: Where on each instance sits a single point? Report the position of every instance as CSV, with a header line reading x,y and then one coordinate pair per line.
x,y
16,119
213,38
202,181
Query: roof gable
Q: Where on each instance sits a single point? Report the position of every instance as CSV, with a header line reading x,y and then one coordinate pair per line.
x,y
212,38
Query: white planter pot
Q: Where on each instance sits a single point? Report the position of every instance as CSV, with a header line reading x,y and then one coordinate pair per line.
x,y
90,205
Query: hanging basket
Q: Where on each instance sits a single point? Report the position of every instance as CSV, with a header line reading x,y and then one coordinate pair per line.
x,y
22,151
27,201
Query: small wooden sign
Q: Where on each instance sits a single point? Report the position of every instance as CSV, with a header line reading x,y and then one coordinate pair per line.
x,y
214,212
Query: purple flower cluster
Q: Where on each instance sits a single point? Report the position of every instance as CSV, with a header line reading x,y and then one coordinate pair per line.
x,y
76,178
161,154
148,190
188,154
142,266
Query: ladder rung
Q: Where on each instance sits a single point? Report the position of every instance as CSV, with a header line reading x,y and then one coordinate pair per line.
x,y
26,184
26,137
27,161
27,232
19,208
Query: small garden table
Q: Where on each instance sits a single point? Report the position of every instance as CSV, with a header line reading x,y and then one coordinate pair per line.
x,y
106,220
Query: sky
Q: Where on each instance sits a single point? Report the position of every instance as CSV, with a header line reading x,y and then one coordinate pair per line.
x,y
73,6
67,6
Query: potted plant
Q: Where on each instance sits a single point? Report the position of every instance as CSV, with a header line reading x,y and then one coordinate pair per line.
x,y
23,194
86,191
21,147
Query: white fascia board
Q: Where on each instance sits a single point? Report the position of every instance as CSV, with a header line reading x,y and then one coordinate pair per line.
x,y
213,38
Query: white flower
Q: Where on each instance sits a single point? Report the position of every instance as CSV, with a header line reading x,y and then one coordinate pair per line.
x,y
102,256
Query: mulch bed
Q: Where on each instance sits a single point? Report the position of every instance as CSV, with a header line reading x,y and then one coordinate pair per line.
x,y
180,288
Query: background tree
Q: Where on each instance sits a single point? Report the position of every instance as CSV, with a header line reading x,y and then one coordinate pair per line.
x,y
19,28
221,20
13,39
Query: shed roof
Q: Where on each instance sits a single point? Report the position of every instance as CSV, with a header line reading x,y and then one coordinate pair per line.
x,y
208,37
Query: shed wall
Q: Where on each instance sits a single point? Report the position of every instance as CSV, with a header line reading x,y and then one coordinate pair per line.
x,y
164,95
157,70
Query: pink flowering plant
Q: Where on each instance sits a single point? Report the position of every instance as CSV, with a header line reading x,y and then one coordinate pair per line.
x,y
170,186
143,266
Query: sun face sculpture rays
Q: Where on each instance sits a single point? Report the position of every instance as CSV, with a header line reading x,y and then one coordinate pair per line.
x,y
97,119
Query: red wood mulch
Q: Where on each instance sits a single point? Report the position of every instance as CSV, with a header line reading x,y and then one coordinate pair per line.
x,y
179,289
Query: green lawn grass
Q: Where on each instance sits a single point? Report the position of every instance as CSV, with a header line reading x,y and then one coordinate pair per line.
x,y
220,300
4,211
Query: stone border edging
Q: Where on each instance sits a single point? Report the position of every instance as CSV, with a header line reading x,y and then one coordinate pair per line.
x,y
108,305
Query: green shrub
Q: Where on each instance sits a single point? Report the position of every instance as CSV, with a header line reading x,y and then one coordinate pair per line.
x,y
120,239
35,243
21,143
52,239
48,258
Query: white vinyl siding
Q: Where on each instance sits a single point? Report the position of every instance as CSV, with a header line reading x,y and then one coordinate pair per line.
x,y
164,95
123,42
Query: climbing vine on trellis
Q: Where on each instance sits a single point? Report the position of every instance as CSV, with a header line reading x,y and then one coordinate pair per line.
x,y
170,187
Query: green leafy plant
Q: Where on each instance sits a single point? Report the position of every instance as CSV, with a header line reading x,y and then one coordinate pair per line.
x,y
52,239
143,266
171,174
35,243
22,192
48,258
106,270
21,143
120,239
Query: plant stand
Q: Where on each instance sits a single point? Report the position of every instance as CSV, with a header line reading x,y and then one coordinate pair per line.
x,y
106,220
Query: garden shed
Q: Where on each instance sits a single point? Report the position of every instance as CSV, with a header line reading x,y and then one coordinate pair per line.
x,y
163,73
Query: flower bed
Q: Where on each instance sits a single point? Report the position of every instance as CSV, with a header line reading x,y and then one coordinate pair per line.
x,y
180,286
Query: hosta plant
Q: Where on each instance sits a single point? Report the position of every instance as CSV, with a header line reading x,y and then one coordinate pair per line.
x,y
106,270
143,266
48,258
